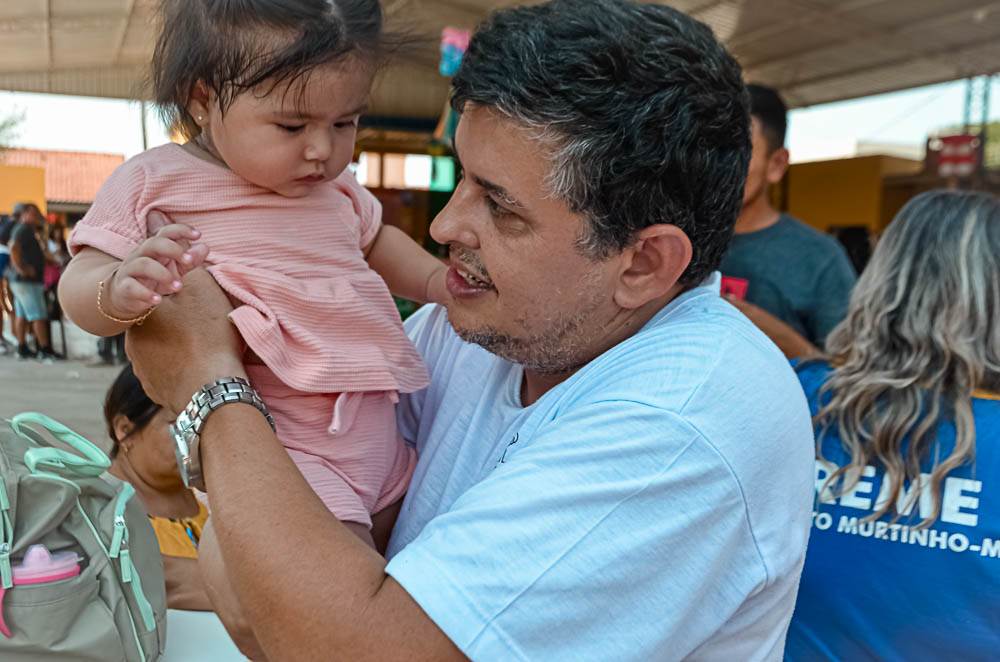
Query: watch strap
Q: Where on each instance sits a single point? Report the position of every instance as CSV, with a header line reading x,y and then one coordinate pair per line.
x,y
187,429
222,392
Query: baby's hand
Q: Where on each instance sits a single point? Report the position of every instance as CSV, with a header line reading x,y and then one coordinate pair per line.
x,y
153,270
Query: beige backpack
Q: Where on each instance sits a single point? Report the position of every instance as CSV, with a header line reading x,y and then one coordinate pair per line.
x,y
115,608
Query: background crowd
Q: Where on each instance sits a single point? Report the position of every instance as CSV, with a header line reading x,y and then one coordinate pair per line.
x,y
32,256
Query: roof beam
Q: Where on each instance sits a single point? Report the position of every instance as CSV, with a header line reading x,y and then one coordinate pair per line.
x,y
129,12
48,33
953,54
891,37
804,18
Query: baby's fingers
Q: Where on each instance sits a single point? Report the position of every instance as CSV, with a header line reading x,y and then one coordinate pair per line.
x,y
179,232
164,250
150,274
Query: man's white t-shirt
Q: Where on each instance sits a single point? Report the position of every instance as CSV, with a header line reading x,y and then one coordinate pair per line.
x,y
654,506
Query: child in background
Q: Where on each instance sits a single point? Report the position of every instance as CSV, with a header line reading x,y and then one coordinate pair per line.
x,y
269,94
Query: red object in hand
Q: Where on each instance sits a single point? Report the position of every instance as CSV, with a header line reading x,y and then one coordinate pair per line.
x,y
736,287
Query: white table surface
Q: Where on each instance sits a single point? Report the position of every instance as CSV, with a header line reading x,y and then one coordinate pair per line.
x,y
198,635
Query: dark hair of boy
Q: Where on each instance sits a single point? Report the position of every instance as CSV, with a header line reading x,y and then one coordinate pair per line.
x,y
766,105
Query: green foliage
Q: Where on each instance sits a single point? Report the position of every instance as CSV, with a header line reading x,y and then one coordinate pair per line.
x,y
9,125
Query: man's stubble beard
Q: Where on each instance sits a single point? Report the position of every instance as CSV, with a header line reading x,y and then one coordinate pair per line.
x,y
561,346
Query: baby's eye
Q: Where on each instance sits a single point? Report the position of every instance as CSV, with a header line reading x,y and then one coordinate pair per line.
x,y
291,128
350,124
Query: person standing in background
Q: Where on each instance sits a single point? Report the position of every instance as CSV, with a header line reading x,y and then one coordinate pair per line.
x,y
786,268
27,257
7,224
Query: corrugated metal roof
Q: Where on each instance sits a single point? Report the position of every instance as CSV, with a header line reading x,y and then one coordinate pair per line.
x,y
69,176
814,51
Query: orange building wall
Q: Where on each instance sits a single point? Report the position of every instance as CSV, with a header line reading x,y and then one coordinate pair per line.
x,y
21,184
843,191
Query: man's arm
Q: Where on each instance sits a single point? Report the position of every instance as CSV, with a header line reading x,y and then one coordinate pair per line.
x,y
309,587
185,588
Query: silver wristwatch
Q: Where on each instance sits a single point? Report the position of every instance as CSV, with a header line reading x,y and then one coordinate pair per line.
x,y
186,430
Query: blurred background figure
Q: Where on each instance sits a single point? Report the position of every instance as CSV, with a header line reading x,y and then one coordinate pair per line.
x,y
7,225
28,259
142,454
786,268
904,558
858,241
110,350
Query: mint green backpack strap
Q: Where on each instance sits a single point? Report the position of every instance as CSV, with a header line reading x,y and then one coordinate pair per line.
x,y
92,461
6,538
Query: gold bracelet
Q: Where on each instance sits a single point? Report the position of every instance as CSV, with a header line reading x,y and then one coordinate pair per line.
x,y
100,308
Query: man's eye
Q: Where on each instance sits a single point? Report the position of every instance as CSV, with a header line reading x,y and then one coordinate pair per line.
x,y
291,128
495,209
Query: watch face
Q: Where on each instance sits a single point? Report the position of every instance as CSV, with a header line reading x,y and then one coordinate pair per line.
x,y
180,452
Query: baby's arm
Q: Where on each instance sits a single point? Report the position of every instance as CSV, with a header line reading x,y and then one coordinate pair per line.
x,y
132,286
408,270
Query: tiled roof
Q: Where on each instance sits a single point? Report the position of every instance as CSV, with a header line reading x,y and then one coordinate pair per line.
x,y
69,176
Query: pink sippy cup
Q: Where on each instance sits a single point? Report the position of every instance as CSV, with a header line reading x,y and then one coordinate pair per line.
x,y
39,567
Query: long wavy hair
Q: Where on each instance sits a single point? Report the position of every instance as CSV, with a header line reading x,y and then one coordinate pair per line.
x,y
921,334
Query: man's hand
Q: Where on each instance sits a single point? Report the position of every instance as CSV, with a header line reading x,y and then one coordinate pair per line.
x,y
785,337
187,343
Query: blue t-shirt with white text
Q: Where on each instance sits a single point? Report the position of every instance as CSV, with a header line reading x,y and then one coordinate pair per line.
x,y
884,591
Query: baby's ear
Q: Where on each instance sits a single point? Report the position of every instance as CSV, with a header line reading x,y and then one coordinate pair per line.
x,y
199,102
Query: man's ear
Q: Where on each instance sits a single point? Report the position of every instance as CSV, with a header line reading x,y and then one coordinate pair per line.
x,y
199,102
777,165
652,265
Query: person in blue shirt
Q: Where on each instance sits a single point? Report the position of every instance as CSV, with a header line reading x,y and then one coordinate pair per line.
x,y
904,557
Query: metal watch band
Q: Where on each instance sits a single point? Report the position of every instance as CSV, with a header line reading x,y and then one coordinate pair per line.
x,y
221,392
186,430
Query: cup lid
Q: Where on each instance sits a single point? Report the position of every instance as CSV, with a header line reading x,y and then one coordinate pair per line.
x,y
38,562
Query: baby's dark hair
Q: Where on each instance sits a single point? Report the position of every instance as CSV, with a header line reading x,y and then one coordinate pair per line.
x,y
235,46
127,398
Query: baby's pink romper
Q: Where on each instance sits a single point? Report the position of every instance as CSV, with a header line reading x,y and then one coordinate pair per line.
x,y
307,303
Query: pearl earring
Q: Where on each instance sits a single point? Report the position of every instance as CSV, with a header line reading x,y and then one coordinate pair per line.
x,y
199,118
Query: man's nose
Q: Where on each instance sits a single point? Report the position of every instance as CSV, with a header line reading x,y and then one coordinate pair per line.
x,y
452,225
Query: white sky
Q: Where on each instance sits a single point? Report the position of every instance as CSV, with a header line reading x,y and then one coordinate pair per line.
x,y
827,131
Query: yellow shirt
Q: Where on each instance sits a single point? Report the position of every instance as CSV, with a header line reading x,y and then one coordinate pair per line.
x,y
179,537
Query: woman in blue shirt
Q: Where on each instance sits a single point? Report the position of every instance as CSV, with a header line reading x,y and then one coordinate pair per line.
x,y
904,556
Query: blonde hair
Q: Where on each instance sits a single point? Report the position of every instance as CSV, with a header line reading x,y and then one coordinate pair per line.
x,y
922,332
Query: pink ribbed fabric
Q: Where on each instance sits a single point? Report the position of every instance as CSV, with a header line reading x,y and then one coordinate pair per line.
x,y
313,311
307,304
355,461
